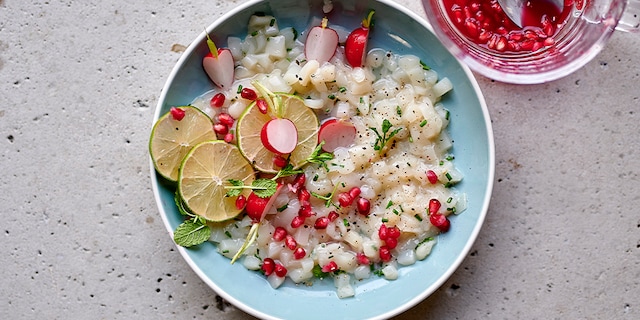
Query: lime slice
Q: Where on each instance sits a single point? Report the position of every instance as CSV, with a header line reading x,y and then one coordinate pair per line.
x,y
250,126
171,139
205,172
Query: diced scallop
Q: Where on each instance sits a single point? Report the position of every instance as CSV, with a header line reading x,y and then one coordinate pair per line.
x,y
443,86
424,249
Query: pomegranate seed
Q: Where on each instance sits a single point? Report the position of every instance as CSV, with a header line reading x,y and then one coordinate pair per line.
x,y
297,222
226,119
290,242
354,192
279,161
299,253
549,42
393,232
383,233
241,201
537,46
345,199
385,253
362,259
432,177
249,94
321,223
268,266
333,216
228,138
217,100
280,270
220,129
279,234
177,113
298,182
472,28
306,211
391,243
434,206
304,195
262,105
502,44
364,206
330,267
440,221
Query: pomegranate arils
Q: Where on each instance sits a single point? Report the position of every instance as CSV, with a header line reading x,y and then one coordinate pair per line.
x,y
364,206
345,199
354,192
304,195
220,129
262,105
249,94
177,113
297,222
241,201
393,232
268,266
333,216
321,223
279,234
362,259
280,270
217,100
330,267
440,221
299,253
432,177
391,243
228,138
385,253
305,211
383,232
298,182
290,242
226,119
485,23
279,161
434,206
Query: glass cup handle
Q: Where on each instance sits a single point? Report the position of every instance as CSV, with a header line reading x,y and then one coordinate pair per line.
x,y
630,20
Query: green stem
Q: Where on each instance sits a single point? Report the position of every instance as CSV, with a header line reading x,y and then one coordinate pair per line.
x,y
251,238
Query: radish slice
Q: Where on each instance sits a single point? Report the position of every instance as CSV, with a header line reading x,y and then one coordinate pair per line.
x,y
355,48
221,69
279,136
336,133
321,43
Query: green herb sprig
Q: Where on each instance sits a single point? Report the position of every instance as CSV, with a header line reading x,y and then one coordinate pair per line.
x,y
384,136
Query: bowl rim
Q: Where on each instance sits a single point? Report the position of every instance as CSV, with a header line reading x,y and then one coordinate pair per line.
x,y
428,290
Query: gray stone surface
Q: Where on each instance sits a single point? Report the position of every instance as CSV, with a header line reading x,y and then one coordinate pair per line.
x,y
82,238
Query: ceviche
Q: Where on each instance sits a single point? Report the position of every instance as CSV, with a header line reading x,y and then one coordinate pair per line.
x,y
313,157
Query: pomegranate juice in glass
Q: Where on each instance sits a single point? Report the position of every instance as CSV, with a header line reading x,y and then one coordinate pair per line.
x,y
550,45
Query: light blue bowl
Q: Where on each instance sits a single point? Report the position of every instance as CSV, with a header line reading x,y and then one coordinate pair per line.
x,y
402,31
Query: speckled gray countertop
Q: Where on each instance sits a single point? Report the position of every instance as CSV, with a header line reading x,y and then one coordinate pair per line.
x,y
83,239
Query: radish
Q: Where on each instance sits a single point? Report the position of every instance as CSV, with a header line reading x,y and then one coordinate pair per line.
x,y
219,65
336,133
279,135
356,44
321,43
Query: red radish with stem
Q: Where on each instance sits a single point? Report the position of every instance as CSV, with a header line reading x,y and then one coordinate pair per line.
x,y
336,133
355,48
219,65
279,136
321,43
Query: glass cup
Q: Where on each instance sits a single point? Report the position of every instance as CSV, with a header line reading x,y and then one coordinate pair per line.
x,y
589,25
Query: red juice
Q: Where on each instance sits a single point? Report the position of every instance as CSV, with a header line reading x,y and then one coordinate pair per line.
x,y
485,23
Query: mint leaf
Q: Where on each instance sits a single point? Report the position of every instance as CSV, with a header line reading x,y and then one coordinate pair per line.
x,y
234,192
191,233
264,188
